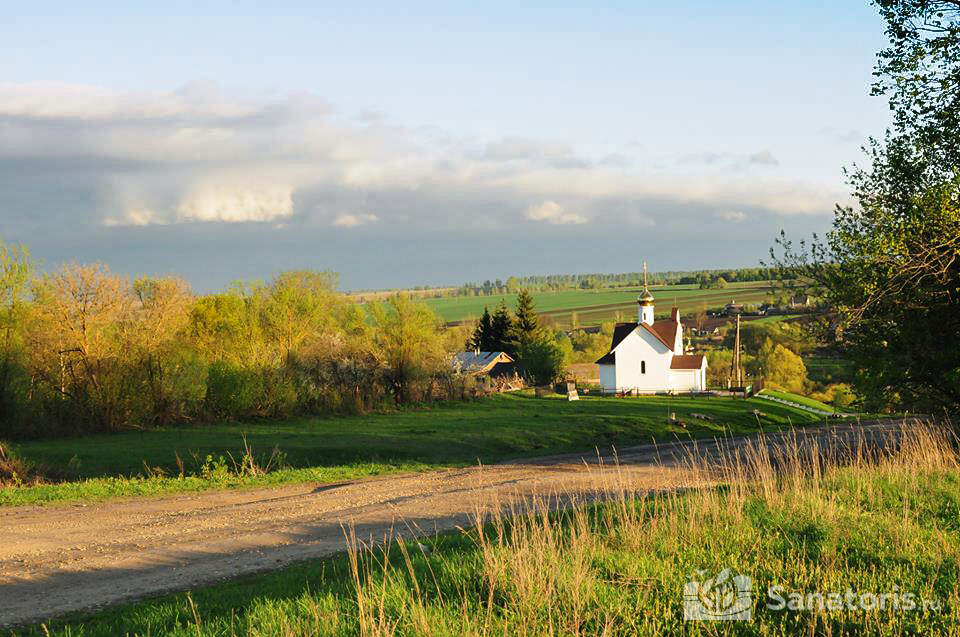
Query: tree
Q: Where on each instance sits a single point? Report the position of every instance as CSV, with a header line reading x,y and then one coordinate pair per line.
x,y
482,335
919,73
890,267
542,358
161,312
15,270
409,337
785,369
527,322
75,349
501,330
299,305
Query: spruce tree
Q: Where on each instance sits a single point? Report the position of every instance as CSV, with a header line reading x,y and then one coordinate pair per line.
x,y
527,323
501,330
482,334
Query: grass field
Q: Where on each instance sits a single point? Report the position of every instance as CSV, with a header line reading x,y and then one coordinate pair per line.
x,y
594,306
881,536
800,400
330,449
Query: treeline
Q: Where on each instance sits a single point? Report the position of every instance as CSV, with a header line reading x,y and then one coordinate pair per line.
x,y
83,349
558,282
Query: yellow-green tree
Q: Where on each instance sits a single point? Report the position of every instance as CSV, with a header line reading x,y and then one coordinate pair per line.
x,y
785,369
409,338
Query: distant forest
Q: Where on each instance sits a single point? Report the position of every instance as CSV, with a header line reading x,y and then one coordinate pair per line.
x,y
594,281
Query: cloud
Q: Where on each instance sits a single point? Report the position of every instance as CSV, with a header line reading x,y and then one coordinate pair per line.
x,y
237,204
730,215
731,161
82,156
347,220
552,212
763,158
510,148
135,217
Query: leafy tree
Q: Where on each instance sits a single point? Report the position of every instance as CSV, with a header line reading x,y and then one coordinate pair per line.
x,y
161,312
74,343
890,268
542,357
299,305
409,337
15,272
785,369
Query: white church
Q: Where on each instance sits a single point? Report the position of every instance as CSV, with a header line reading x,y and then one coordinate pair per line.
x,y
647,357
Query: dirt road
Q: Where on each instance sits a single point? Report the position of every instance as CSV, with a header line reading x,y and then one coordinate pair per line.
x,y
64,558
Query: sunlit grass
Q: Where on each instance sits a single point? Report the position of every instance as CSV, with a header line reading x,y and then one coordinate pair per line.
x,y
173,460
807,519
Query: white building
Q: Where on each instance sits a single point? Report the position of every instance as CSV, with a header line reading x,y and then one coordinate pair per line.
x,y
647,356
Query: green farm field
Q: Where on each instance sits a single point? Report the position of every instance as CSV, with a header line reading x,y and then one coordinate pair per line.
x,y
595,306
333,449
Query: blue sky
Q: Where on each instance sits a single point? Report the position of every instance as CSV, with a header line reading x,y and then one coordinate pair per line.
x,y
427,143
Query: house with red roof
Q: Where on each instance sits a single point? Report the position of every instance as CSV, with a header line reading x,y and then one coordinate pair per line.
x,y
648,357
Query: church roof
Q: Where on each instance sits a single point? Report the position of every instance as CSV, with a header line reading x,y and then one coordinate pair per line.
x,y
665,332
686,361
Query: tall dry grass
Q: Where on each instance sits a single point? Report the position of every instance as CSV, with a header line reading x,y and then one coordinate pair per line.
x,y
542,568
864,510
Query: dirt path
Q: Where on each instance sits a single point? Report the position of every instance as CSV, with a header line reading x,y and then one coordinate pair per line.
x,y
65,558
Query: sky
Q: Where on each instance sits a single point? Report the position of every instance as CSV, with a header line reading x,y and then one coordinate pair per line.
x,y
415,143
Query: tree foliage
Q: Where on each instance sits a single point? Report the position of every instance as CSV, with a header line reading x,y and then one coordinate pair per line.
x,y
89,350
890,267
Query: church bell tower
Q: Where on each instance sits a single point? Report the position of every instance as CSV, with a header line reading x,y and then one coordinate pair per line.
x,y
645,302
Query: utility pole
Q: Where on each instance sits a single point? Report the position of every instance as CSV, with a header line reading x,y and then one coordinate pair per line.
x,y
736,372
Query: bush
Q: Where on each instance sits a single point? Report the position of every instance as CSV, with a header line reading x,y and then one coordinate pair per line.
x,y
233,392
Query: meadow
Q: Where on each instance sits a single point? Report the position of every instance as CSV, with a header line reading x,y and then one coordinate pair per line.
x,y
595,306
801,400
857,526
190,458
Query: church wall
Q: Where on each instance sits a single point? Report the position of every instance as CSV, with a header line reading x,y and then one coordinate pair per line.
x,y
608,378
642,346
687,380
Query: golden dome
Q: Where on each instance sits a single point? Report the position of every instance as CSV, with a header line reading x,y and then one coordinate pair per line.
x,y
645,298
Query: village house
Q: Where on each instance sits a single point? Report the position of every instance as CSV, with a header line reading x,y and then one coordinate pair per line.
x,y
648,356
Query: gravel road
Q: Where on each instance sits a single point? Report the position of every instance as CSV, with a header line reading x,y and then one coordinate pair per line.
x,y
64,558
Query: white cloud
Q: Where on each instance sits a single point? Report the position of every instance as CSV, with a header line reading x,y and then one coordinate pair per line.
x,y
552,212
730,215
203,155
347,220
135,217
237,204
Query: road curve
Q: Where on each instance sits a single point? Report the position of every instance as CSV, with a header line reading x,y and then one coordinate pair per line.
x,y
64,558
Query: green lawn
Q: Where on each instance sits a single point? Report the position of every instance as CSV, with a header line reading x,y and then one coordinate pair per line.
x,y
620,568
594,306
801,400
329,449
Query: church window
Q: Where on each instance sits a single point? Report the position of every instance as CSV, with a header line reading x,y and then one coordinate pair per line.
x,y
643,367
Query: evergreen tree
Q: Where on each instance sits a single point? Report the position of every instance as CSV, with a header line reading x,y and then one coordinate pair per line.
x,y
482,334
501,330
527,323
